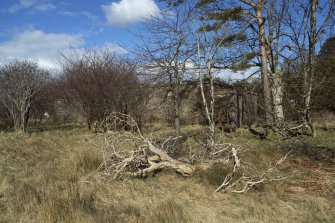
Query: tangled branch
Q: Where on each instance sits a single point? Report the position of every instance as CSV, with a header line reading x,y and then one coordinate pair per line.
x,y
128,153
138,156
247,182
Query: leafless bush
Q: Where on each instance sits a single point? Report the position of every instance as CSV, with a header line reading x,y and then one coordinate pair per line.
x,y
97,82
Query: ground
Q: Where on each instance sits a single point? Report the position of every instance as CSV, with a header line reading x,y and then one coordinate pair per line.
x,y
48,176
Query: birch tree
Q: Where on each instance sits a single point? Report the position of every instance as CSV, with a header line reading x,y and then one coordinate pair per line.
x,y
275,12
213,37
307,28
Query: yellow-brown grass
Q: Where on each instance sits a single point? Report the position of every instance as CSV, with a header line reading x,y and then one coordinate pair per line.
x,y
43,179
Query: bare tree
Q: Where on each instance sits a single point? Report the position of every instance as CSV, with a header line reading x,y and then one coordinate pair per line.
x,y
275,12
220,29
97,82
19,82
207,53
307,27
166,49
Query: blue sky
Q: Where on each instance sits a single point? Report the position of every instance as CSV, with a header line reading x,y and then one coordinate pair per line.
x,y
40,29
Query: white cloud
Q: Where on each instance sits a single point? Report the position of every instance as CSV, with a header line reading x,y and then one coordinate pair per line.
x,y
21,5
231,76
86,14
68,13
45,48
39,46
125,12
33,5
115,48
45,7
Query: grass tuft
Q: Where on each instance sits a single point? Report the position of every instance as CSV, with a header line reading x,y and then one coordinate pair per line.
x,y
213,176
166,211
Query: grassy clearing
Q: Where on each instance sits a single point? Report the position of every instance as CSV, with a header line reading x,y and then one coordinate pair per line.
x,y
43,179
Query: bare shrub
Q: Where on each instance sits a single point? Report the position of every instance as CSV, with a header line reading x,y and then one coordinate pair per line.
x,y
97,82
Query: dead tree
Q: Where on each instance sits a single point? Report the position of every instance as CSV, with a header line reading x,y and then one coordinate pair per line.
x,y
241,182
139,157
208,56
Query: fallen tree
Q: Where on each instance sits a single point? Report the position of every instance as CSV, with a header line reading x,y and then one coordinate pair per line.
x,y
128,153
139,157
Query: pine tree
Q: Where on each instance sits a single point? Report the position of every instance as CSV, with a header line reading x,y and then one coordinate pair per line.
x,y
323,96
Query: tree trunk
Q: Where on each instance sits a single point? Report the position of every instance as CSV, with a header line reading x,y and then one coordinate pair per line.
x,y
26,120
308,82
16,119
89,124
212,104
277,97
209,112
177,106
239,103
23,114
264,70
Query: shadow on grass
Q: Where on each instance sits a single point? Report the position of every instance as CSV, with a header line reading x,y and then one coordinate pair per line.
x,y
54,127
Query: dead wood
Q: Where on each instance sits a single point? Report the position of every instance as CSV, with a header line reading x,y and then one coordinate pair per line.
x,y
128,153
142,157
243,183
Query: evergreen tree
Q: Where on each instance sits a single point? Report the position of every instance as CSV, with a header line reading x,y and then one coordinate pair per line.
x,y
323,96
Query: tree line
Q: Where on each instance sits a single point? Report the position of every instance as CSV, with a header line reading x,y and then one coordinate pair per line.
x,y
280,37
92,84
289,42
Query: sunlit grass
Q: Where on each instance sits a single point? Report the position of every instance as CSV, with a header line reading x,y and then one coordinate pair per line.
x,y
43,179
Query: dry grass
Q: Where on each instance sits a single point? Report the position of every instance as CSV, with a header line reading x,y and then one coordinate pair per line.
x,y
42,179
324,120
